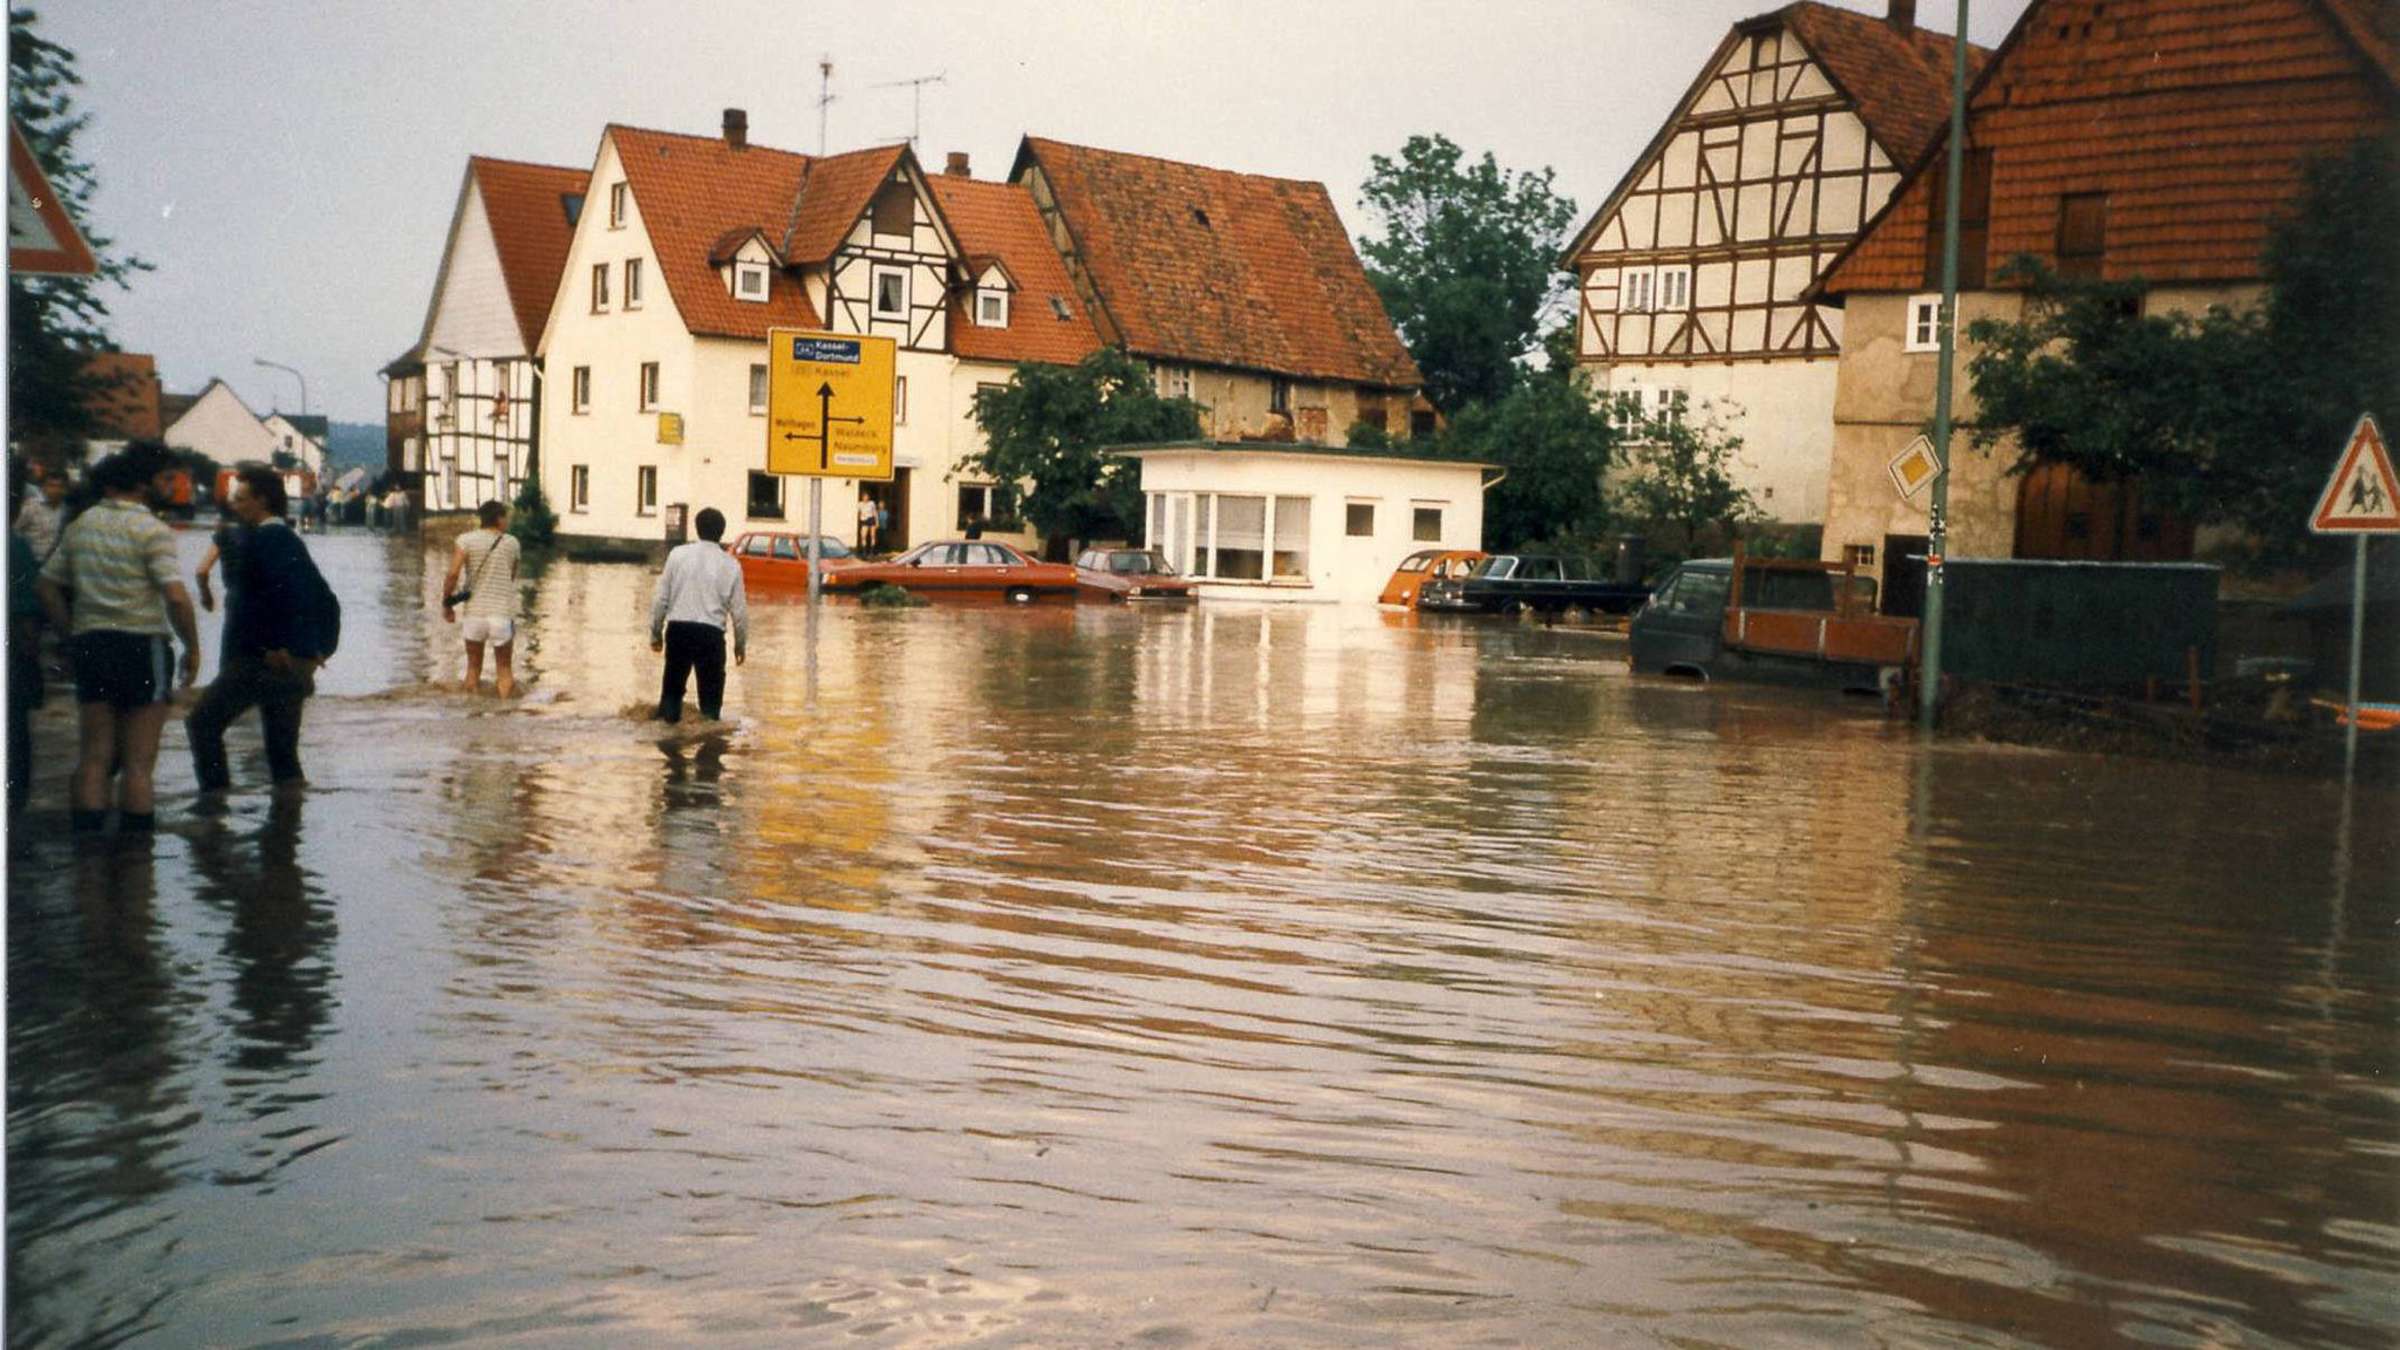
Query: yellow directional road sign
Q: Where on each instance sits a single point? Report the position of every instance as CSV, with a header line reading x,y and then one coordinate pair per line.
x,y
829,404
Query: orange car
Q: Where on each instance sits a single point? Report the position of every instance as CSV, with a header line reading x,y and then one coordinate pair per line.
x,y
1426,565
771,558
959,567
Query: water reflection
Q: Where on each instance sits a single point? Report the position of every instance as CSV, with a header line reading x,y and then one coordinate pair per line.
x,y
1385,982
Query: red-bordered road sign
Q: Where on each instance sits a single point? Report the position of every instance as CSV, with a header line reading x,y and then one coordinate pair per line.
x,y
42,238
2363,496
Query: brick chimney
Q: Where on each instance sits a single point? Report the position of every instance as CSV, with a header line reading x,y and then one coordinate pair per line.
x,y
956,167
1903,17
737,129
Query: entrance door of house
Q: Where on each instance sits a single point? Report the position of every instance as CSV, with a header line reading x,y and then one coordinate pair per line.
x,y
891,499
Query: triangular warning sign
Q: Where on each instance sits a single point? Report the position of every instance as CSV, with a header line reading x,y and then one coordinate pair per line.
x,y
42,238
2363,496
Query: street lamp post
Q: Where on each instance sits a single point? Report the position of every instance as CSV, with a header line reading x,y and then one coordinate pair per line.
x,y
1938,526
278,365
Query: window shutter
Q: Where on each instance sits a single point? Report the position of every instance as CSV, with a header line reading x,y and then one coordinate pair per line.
x,y
2082,234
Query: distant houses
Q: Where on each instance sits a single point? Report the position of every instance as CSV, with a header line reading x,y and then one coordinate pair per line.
x,y
647,386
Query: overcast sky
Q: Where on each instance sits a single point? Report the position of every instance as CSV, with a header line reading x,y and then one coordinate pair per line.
x,y
291,167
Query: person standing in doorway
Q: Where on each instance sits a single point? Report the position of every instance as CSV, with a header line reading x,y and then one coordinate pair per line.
x,y
487,559
118,561
281,623
699,596
866,523
883,523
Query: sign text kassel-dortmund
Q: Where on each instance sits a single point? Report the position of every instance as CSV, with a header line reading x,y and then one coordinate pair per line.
x,y
829,404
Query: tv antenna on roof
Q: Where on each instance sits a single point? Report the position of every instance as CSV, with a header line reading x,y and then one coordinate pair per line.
x,y
916,89
824,97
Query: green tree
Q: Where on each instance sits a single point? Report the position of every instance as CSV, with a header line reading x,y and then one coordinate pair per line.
x,y
2230,416
1679,476
1466,264
54,323
1556,445
1044,432
531,520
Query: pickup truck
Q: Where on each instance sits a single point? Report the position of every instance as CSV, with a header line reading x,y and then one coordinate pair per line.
x,y
1506,583
1771,619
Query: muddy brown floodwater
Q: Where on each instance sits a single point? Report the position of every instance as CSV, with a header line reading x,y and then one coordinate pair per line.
x,y
1089,976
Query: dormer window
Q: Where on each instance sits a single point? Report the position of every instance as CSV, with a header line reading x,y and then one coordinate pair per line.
x,y
991,307
750,281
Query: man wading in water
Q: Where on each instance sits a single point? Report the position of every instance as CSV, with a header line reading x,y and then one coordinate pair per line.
x,y
700,595
487,558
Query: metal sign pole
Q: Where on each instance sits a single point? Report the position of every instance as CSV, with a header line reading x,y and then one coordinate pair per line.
x,y
816,529
2358,643
1937,543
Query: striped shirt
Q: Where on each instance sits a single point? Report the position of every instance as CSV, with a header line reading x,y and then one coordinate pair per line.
x,y
494,584
119,560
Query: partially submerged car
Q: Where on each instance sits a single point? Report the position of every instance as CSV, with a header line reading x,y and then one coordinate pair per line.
x,y
774,558
1774,619
1546,583
1423,567
959,567
1128,574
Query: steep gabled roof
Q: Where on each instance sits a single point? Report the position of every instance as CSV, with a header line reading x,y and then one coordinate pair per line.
x,y
2194,117
689,192
1222,268
833,195
1898,82
998,222
532,224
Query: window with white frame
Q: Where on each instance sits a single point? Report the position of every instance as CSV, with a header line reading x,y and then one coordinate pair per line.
x,y
649,386
582,387
1924,323
618,195
633,283
758,390
1635,292
1232,537
750,282
1425,525
899,400
599,288
991,308
1175,381
890,292
1674,288
442,400
986,504
1279,395
645,490
579,488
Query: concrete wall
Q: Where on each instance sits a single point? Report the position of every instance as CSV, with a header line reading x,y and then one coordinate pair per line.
x,y
1340,567
1884,398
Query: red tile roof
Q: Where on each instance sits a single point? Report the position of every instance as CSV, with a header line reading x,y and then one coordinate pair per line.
x,y
125,406
526,205
2195,117
1223,268
689,191
1900,81
998,222
834,193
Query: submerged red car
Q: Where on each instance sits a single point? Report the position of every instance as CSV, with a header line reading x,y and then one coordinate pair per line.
x,y
1129,574
959,567
772,558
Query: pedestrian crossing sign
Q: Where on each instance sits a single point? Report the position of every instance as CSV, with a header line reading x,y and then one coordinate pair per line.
x,y
2363,496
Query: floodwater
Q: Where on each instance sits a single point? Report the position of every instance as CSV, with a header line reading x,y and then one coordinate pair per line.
x,y
1086,976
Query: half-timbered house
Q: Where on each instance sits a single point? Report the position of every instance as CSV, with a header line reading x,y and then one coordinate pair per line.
x,y
461,412
1693,271
2149,140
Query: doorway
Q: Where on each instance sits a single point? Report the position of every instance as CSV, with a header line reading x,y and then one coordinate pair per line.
x,y
891,504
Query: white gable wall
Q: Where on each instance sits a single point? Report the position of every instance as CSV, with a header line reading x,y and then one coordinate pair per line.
x,y
220,427
471,309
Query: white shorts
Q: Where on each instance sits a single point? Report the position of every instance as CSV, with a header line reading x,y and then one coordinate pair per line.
x,y
498,632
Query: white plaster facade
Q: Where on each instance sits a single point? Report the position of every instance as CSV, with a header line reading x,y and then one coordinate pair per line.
x,y
304,448
222,427
1264,522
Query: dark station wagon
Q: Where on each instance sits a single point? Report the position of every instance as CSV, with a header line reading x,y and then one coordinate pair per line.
x,y
1546,583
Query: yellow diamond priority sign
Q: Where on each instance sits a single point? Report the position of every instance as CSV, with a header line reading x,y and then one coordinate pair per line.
x,y
829,404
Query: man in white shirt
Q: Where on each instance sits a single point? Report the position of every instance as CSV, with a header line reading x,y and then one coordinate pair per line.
x,y
699,596
40,518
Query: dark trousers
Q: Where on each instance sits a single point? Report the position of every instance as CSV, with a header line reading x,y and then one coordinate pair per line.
x,y
242,683
693,648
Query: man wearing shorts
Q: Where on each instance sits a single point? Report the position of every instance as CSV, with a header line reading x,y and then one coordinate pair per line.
x,y
118,561
485,562
275,638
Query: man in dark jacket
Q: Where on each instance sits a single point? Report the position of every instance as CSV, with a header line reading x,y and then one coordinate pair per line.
x,y
281,623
